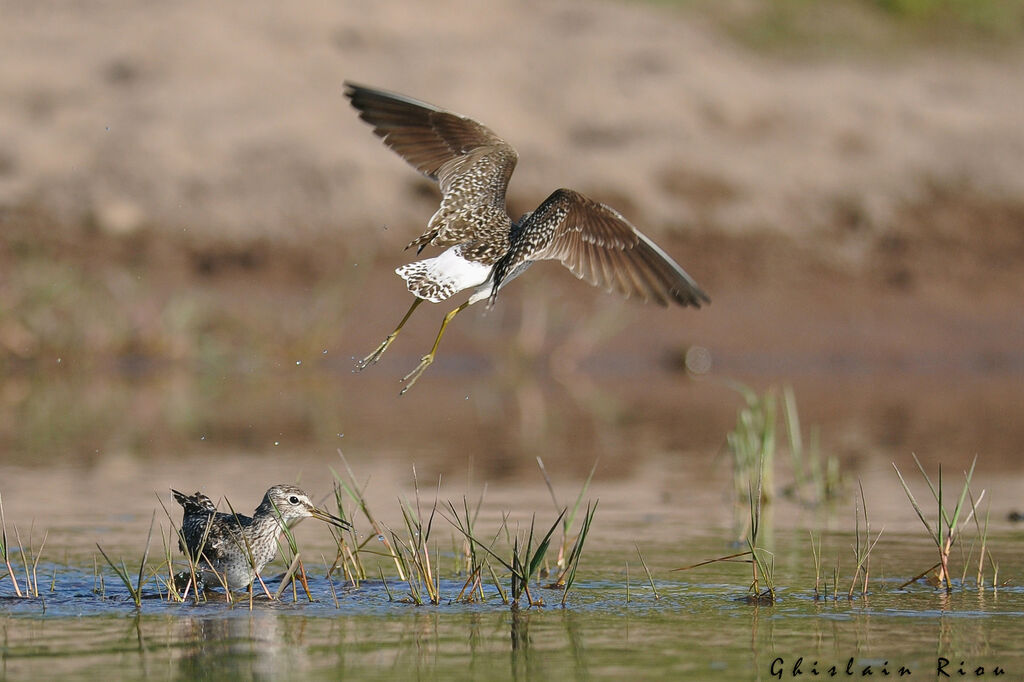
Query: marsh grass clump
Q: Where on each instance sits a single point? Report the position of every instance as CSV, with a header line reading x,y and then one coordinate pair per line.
x,y
816,478
29,558
568,574
568,557
349,546
410,555
561,560
521,554
816,558
296,572
472,589
863,545
753,444
948,525
423,577
862,548
122,571
985,551
525,559
762,562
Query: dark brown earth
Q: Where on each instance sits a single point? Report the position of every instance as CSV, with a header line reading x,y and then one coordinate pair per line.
x,y
189,208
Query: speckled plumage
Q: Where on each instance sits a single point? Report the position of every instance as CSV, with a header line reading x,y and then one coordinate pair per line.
x,y
470,163
599,246
221,543
473,166
437,279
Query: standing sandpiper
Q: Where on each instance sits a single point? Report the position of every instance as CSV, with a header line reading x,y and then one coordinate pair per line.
x,y
235,548
485,248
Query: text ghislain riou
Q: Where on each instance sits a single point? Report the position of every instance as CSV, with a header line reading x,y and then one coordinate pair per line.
x,y
779,669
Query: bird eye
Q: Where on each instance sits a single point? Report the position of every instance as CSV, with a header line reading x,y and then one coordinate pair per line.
x,y
293,499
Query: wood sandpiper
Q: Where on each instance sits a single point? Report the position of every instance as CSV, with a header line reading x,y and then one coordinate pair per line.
x,y
486,249
234,549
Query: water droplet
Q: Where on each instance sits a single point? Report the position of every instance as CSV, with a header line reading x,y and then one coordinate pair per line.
x,y
108,128
202,437
380,538
341,435
698,360
325,351
298,362
58,361
277,442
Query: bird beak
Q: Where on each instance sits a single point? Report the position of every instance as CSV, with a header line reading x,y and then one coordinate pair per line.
x,y
329,518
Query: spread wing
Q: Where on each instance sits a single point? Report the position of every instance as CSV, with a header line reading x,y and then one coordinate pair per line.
x,y
471,164
600,246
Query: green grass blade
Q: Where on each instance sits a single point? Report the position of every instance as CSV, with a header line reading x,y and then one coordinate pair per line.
x,y
145,555
579,498
577,550
542,548
963,496
650,578
917,507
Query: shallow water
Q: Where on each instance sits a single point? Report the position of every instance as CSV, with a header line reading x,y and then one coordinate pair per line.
x,y
699,626
87,456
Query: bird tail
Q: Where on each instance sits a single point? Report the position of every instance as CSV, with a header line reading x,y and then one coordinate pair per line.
x,y
198,503
423,281
437,279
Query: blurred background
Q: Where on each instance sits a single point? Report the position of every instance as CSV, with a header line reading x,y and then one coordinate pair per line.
x,y
198,238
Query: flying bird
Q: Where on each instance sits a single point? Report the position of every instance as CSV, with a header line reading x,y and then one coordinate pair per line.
x,y
484,248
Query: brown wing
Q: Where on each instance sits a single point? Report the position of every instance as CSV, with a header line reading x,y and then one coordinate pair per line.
x,y
471,164
600,246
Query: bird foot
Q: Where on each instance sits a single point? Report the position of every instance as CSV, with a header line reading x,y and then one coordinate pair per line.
x,y
375,355
410,378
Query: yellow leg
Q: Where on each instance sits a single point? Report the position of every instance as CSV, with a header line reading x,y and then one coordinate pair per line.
x,y
375,355
427,359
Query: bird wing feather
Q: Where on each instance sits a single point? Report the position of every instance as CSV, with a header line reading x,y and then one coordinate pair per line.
x,y
203,527
470,163
601,247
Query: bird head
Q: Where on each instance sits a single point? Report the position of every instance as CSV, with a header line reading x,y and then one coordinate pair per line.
x,y
291,505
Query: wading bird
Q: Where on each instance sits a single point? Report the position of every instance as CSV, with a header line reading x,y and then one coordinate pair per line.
x,y
233,549
486,249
